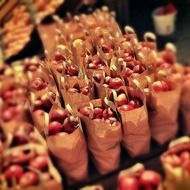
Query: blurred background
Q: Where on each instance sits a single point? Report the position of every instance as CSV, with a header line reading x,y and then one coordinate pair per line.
x,y
136,13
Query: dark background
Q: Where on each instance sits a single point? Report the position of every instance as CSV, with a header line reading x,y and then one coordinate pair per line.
x,y
137,13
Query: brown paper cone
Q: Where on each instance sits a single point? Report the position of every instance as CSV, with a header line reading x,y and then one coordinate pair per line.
x,y
185,106
136,131
71,153
74,99
163,119
103,142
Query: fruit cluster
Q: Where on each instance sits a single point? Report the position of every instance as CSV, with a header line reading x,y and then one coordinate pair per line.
x,y
24,159
98,90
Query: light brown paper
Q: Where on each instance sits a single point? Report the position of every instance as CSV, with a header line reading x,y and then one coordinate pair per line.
x,y
74,99
185,106
163,117
103,142
136,131
71,154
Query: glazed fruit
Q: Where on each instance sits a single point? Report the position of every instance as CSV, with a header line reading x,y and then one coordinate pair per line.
x,y
59,115
14,171
128,183
28,179
149,178
125,103
40,162
54,128
38,84
159,86
99,114
70,124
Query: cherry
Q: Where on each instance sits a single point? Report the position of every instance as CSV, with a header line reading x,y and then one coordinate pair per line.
x,y
70,124
13,171
121,99
40,162
28,179
54,127
128,183
38,84
59,115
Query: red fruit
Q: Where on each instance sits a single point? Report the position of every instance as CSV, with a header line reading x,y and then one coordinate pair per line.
x,y
70,124
37,105
38,84
106,48
14,171
185,156
20,137
170,8
121,99
107,113
157,86
58,57
165,66
92,66
28,179
149,177
127,72
59,115
71,71
85,90
85,110
97,61
173,160
159,62
134,75
115,83
19,157
46,100
98,113
18,92
73,90
7,115
10,113
134,103
160,86
40,162
125,108
128,183
107,79
54,127
7,95
139,69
